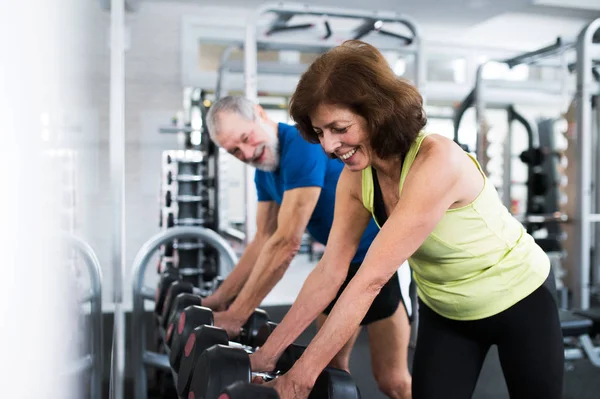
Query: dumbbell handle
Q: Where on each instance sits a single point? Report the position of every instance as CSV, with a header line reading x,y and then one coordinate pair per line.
x,y
247,348
267,376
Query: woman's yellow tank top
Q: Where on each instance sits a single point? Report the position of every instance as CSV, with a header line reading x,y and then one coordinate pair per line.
x,y
478,261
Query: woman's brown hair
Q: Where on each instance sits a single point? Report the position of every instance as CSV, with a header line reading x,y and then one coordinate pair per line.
x,y
356,75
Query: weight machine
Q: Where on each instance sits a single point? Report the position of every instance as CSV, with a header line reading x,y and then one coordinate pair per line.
x,y
583,197
314,29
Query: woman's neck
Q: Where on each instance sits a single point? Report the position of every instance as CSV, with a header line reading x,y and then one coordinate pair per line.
x,y
388,169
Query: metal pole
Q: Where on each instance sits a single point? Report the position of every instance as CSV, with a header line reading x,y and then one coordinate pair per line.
x,y
584,182
480,117
251,92
507,163
596,135
117,179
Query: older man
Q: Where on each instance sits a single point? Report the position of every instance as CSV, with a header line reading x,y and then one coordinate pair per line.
x,y
296,185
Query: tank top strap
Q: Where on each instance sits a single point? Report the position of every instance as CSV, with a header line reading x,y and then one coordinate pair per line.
x,y
410,157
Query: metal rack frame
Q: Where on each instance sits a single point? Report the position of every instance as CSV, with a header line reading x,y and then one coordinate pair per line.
x,y
140,357
587,53
93,361
587,57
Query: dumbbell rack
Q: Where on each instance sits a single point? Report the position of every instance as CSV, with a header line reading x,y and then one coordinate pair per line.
x,y
140,357
187,196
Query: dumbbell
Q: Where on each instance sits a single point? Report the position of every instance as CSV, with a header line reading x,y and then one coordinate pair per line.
x,y
196,316
204,337
221,366
166,279
182,302
170,293
245,390
175,288
180,329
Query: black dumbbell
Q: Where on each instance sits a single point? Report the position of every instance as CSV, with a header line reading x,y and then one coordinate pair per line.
x,y
166,279
204,337
245,390
251,327
221,366
200,339
181,327
179,304
176,288
289,355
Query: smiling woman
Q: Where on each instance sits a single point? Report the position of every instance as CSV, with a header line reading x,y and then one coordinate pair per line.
x,y
356,76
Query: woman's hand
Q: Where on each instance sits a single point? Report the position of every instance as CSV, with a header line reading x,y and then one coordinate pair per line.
x,y
260,361
288,388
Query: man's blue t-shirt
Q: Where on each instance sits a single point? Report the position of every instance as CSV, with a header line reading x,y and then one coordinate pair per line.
x,y
302,164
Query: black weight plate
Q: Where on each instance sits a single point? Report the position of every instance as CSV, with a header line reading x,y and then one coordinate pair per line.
x,y
218,367
181,302
250,328
164,283
245,390
191,317
334,383
289,357
264,332
176,288
200,339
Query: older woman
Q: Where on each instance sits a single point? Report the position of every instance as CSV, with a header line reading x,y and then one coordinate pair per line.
x,y
482,280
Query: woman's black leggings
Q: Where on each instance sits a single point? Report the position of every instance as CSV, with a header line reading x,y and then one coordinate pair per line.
x,y
449,353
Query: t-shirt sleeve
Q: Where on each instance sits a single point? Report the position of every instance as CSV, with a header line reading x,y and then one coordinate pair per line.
x,y
261,192
303,165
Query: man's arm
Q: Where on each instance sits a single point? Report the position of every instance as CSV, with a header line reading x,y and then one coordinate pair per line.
x,y
431,187
266,225
296,209
349,223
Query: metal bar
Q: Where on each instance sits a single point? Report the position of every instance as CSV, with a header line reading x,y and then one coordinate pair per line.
x,y
234,234
223,67
554,217
595,217
147,293
138,333
159,360
95,297
251,92
79,365
276,68
584,163
117,179
460,112
480,116
531,56
507,161
305,9
278,44
590,350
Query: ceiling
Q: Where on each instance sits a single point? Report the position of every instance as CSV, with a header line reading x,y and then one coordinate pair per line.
x,y
514,24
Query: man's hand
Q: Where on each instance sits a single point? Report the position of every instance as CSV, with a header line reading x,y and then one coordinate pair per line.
x,y
230,324
213,303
